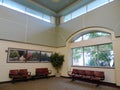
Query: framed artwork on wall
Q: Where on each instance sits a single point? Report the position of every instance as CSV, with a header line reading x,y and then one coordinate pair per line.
x,y
17,55
32,56
45,56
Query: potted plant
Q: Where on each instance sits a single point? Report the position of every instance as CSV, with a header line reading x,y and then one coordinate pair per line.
x,y
57,61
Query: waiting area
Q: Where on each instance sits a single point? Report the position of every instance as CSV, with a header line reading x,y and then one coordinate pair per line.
x,y
84,35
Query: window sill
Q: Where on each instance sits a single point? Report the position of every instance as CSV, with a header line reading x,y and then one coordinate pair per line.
x,y
94,67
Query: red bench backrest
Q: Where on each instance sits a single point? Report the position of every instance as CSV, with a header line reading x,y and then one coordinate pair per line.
x,y
89,73
99,74
23,72
75,71
14,72
82,72
42,71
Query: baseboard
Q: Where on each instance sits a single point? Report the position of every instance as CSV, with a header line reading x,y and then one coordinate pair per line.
x,y
52,76
20,81
65,77
109,84
5,82
102,83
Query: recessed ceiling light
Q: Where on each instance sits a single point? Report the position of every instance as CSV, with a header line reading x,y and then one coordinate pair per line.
x,y
55,0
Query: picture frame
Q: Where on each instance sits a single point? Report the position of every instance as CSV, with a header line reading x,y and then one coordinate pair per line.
x,y
45,56
33,56
18,55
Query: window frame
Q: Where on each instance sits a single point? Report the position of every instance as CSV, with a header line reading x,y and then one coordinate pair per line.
x,y
83,36
83,42
97,53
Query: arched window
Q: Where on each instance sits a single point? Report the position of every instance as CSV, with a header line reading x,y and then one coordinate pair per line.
x,y
95,50
91,35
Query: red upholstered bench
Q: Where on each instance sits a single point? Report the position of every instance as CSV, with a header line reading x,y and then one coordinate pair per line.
x,y
14,74
73,72
98,76
24,73
87,75
19,74
42,72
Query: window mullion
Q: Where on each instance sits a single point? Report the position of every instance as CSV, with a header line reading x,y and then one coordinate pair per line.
x,y
83,58
97,53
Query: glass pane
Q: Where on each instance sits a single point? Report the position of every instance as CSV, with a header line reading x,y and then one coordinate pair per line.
x,y
111,0
46,18
78,12
77,50
95,4
106,58
33,13
67,18
13,5
94,35
89,35
78,59
0,2
78,39
77,56
90,48
105,47
102,34
90,58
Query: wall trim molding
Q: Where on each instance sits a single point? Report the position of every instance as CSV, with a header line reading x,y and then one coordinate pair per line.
x,y
28,43
3,82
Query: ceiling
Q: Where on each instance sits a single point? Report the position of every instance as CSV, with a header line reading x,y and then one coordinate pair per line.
x,y
54,7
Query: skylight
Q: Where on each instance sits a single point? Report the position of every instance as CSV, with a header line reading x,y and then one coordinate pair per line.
x,y
87,8
20,8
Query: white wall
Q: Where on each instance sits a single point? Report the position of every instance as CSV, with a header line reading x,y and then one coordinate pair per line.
x,y
17,26
5,67
116,45
107,16
111,74
64,68
20,27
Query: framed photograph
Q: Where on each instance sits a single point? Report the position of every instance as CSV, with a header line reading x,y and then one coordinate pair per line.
x,y
16,55
45,56
32,56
